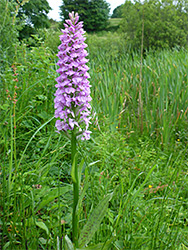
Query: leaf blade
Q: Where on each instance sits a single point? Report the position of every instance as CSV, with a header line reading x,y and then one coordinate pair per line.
x,y
94,221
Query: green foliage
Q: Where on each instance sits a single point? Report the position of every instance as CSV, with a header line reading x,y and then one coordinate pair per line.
x,y
147,173
117,12
33,15
79,6
141,214
165,23
94,221
113,25
109,43
94,13
163,112
50,38
8,32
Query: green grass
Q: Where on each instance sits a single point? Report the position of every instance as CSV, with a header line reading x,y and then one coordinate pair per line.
x,y
164,93
114,21
113,24
147,171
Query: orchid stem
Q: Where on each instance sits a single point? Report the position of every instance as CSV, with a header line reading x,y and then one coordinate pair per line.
x,y
75,189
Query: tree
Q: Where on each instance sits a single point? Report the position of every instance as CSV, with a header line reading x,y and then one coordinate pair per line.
x,y
165,23
33,15
94,13
80,6
118,11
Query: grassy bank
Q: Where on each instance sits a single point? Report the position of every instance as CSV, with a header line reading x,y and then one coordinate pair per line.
x,y
138,150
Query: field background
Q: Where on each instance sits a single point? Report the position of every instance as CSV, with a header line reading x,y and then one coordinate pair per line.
x,y
138,147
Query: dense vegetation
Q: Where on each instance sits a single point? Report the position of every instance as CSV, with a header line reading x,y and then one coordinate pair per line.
x,y
94,13
117,12
32,15
138,149
164,24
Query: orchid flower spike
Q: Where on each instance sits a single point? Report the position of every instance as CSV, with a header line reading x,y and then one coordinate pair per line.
x,y
72,96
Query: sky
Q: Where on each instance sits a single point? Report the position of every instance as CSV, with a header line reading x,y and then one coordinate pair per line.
x,y
54,4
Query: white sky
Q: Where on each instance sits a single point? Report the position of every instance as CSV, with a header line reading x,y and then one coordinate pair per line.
x,y
54,4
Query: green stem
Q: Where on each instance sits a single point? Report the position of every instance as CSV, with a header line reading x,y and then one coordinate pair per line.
x,y
75,190
11,153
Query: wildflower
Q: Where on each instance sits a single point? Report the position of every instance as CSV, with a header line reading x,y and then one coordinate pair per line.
x,y
150,186
73,89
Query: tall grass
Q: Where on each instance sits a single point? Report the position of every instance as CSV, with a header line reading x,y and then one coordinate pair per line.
x,y
164,86
147,173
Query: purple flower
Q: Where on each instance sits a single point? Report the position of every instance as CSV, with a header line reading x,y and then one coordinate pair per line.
x,y
72,96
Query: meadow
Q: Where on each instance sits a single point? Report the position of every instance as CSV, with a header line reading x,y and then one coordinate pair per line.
x,y
138,149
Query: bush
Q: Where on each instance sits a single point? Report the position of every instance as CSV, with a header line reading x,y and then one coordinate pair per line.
x,y
165,23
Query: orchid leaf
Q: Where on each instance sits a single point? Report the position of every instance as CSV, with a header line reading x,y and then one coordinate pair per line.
x,y
80,170
94,221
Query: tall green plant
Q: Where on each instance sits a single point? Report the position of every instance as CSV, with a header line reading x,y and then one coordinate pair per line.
x,y
8,32
73,110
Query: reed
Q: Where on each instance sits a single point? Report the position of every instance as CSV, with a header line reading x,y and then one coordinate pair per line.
x,y
164,86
